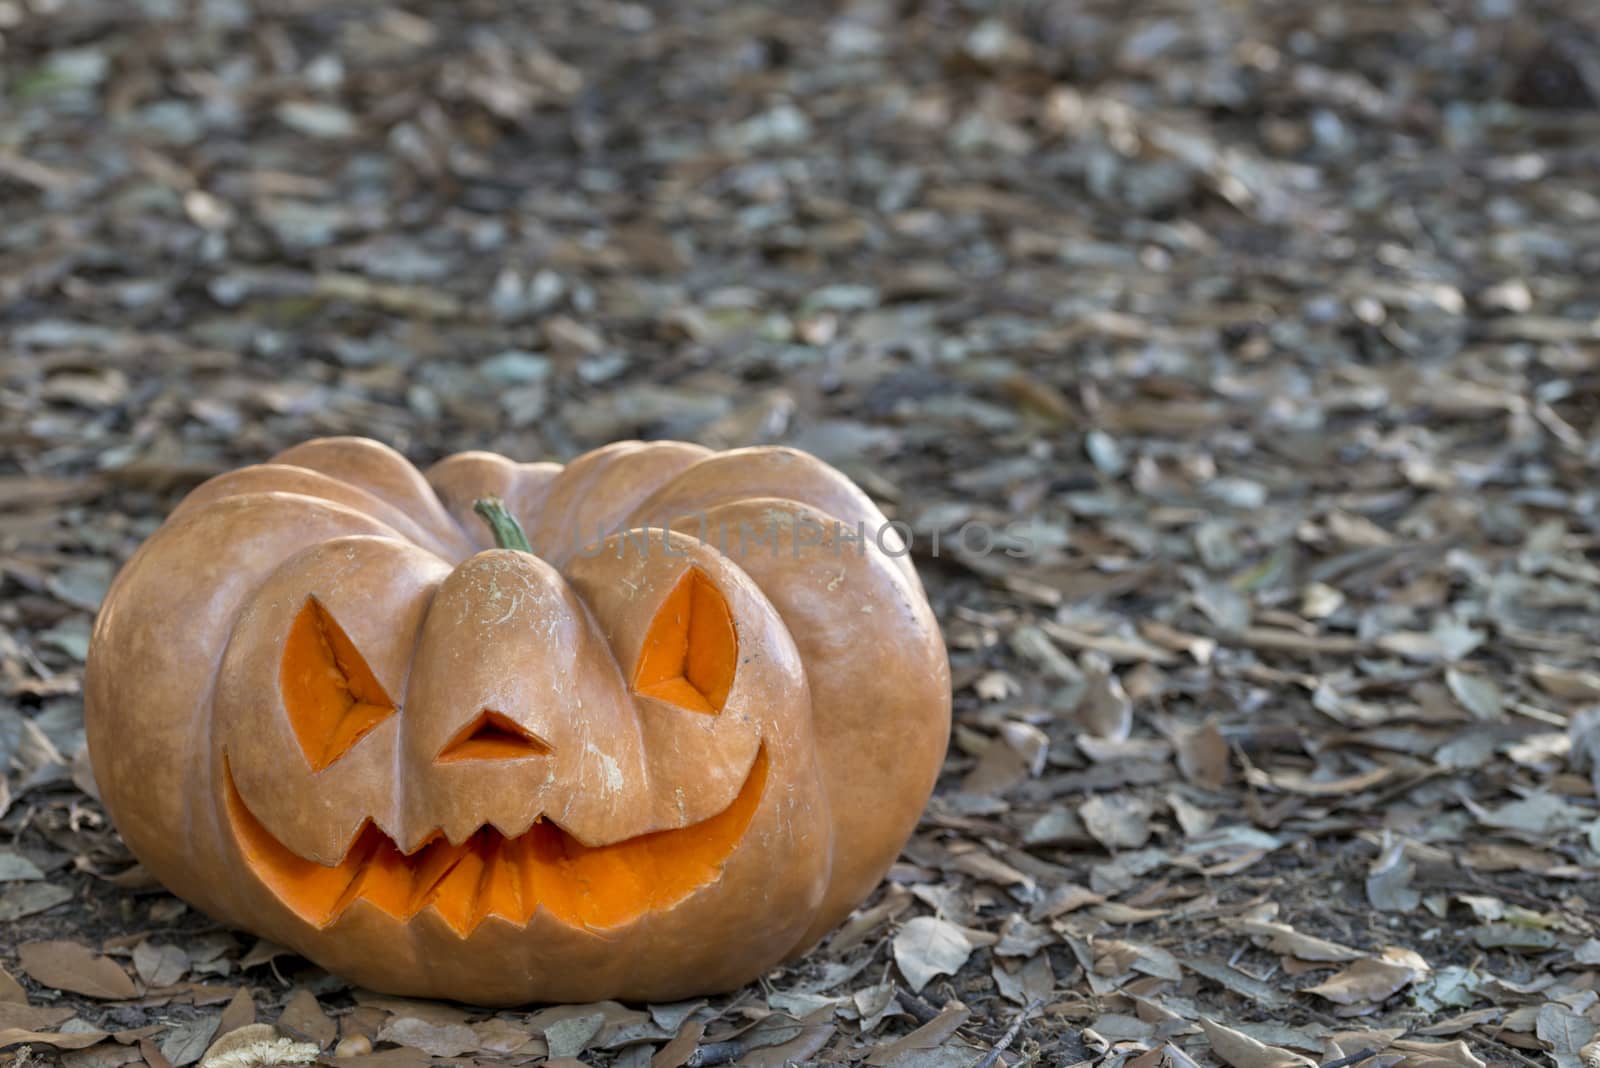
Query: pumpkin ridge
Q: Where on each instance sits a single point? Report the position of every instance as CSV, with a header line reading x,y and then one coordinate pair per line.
x,y
317,485
343,458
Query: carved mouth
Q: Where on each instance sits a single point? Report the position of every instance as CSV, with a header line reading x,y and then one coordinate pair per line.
x,y
490,874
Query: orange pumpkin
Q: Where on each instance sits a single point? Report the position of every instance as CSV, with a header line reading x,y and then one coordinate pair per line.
x,y
324,707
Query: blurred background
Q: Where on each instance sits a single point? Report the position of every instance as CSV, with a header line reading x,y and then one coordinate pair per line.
x,y
1279,320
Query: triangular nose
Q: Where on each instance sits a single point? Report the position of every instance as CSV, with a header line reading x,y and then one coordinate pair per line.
x,y
492,736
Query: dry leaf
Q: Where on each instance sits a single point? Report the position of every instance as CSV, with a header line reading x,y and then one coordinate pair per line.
x,y
1294,782
1203,756
159,965
1564,1033
1117,821
932,1035
240,1012
303,1018
74,967
187,1042
677,1052
1423,1054
436,1040
1281,938
1389,879
1239,1050
1105,710
11,991
1369,980
14,1036
927,947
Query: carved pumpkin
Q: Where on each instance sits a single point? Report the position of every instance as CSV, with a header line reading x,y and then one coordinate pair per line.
x,y
322,706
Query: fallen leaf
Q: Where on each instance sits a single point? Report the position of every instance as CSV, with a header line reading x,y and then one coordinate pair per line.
x,y
28,899
1117,821
1569,683
1423,1054
14,867
931,1035
33,1017
239,1012
13,1036
75,968
1541,814
996,686
1203,756
11,991
159,965
1512,936
1105,710
1369,980
1281,938
187,1042
678,1051
570,1036
303,1017
1235,980
1389,879
1239,1050
1564,1033
436,1040
1477,694
1294,782
927,947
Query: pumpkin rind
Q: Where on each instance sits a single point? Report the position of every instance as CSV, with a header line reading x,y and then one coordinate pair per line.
x,y
656,774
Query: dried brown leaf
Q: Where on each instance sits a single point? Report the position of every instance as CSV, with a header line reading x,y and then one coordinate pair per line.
x,y
304,1018
1239,1050
927,947
74,967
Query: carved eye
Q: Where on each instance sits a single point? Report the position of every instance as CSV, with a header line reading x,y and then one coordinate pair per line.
x,y
691,650
332,697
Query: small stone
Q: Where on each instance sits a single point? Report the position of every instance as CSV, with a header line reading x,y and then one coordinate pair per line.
x,y
353,1046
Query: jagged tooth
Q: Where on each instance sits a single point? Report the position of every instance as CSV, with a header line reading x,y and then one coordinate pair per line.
x,y
457,893
356,863
386,878
519,864
487,849
502,894
545,883
433,865
528,873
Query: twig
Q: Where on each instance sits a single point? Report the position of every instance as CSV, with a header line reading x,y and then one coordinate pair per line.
x,y
990,1059
1515,1054
1355,1058
920,1010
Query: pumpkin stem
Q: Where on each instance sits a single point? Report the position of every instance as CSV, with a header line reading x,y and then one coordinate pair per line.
x,y
508,533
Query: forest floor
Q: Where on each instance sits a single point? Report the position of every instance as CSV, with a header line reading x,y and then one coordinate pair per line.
x,y
1278,323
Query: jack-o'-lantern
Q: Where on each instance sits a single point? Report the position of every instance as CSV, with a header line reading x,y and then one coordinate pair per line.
x,y
642,726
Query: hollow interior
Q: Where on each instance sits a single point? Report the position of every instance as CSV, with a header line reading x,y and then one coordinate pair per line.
x,y
330,693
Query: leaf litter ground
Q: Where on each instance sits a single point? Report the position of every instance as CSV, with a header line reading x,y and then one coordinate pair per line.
x,y
1274,325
